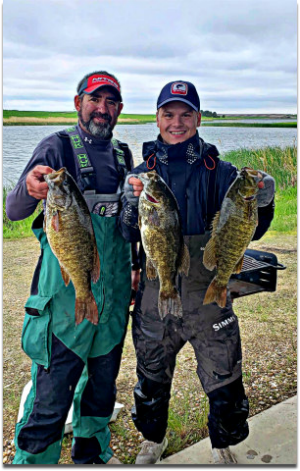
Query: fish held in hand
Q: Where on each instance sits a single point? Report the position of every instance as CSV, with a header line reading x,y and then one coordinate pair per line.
x,y
232,230
166,253
70,234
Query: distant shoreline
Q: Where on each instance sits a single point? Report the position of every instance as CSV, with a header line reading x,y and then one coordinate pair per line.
x,y
43,118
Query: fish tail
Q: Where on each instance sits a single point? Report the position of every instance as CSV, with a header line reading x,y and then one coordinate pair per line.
x,y
216,293
86,309
169,303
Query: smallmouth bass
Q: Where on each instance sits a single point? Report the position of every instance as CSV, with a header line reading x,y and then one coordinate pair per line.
x,y
166,253
232,230
70,234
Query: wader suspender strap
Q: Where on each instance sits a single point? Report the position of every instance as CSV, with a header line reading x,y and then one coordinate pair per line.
x,y
86,169
211,194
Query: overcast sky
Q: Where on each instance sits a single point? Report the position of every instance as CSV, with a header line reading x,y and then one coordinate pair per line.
x,y
240,54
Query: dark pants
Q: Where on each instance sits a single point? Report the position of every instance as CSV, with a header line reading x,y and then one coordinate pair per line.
x,y
214,336
53,396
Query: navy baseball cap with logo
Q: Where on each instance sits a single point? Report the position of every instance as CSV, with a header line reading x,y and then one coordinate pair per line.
x,y
96,81
179,91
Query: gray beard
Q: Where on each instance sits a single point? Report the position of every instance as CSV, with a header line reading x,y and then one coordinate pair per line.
x,y
100,130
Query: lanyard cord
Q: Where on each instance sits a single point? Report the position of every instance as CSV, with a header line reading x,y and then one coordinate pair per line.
x,y
147,163
214,163
154,162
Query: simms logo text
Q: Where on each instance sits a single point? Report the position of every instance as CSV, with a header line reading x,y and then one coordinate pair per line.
x,y
224,323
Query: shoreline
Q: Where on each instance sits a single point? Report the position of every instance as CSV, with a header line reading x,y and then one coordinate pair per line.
x,y
72,121
49,118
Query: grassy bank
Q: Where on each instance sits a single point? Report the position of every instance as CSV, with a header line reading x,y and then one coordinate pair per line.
x,y
252,125
21,118
281,163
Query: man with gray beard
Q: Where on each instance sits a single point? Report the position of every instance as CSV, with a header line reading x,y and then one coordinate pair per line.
x,y
80,363
93,117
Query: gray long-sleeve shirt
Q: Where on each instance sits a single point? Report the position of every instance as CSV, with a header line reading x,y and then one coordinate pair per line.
x,y
49,152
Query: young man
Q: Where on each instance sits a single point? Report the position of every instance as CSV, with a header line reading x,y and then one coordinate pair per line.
x,y
60,350
199,181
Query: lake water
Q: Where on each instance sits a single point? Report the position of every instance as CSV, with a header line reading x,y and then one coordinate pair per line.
x,y
20,141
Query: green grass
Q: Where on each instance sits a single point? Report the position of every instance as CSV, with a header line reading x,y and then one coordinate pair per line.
x,y
253,125
135,119
186,425
285,219
259,116
38,114
280,163
141,118
17,229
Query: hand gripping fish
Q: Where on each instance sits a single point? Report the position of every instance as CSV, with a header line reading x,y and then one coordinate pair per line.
x,y
70,234
166,253
232,230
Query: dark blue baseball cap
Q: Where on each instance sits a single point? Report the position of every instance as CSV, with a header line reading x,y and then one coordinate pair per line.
x,y
179,91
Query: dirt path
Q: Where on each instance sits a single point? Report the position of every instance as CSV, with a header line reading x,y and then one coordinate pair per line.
x,y
268,328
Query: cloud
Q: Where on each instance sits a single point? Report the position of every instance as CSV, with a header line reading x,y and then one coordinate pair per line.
x,y
242,50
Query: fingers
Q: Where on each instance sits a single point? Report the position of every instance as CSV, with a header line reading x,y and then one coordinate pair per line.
x,y
266,190
35,183
137,185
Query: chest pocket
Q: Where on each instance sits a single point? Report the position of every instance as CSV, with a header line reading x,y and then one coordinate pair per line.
x,y
102,204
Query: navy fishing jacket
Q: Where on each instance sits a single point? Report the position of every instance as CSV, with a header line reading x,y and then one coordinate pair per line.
x,y
199,181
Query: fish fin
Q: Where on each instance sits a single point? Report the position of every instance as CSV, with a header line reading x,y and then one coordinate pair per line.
x,y
96,266
209,255
184,260
169,304
216,294
55,222
150,270
86,309
65,275
239,265
215,221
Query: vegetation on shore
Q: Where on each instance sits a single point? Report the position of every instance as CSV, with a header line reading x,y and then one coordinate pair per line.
x,y
43,118
280,163
252,125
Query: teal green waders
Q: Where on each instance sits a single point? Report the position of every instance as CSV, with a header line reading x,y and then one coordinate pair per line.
x,y
72,362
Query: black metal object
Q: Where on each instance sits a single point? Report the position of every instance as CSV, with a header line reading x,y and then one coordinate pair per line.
x,y
259,273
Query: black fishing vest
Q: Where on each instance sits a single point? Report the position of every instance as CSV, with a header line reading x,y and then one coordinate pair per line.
x,y
74,151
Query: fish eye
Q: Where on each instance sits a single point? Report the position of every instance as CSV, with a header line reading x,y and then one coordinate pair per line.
x,y
65,183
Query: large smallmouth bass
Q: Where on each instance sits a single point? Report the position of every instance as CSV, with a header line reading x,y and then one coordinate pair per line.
x,y
166,253
232,230
70,234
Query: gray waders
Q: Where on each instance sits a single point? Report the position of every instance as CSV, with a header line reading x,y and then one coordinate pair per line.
x,y
214,335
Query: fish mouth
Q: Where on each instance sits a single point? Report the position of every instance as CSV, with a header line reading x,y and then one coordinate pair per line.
x,y
252,173
145,179
52,178
151,199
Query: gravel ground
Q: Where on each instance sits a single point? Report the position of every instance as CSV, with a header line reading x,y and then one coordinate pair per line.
x,y
268,328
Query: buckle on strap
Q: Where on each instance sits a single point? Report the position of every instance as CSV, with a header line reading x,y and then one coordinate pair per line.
x,y
87,170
